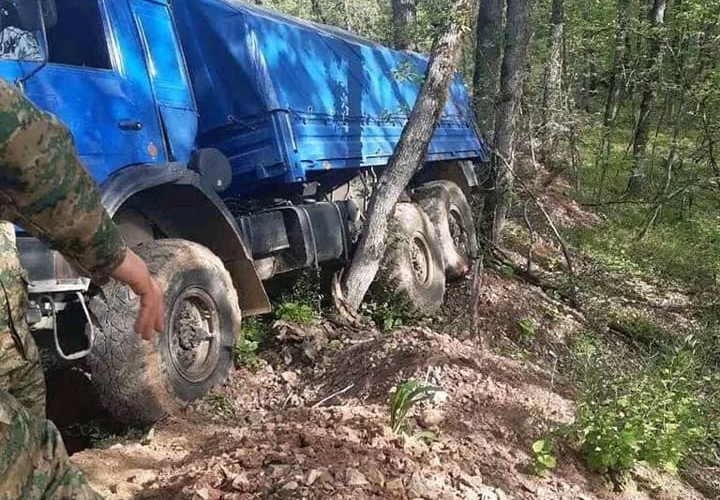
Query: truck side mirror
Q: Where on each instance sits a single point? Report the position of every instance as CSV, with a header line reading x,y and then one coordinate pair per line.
x,y
29,12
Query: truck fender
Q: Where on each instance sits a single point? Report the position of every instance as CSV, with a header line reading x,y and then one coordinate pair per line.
x,y
174,199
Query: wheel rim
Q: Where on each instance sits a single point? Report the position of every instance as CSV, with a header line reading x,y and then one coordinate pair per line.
x,y
193,334
420,259
457,231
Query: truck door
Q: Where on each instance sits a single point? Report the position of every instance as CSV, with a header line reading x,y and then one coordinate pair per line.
x,y
85,85
168,76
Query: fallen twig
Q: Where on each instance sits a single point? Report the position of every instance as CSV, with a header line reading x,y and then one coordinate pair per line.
x,y
338,393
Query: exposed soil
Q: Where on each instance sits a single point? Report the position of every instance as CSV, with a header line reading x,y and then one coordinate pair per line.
x,y
280,433
314,423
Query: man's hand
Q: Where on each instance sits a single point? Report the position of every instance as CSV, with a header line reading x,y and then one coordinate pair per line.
x,y
134,273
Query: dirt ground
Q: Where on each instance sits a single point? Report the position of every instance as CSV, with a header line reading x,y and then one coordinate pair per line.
x,y
314,423
321,430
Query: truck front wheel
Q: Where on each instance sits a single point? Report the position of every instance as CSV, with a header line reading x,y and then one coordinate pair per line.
x,y
139,382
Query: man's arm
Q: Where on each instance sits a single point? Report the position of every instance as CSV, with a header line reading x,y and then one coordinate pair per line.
x,y
49,192
45,189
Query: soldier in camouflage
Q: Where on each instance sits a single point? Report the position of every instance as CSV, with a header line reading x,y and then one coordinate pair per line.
x,y
45,189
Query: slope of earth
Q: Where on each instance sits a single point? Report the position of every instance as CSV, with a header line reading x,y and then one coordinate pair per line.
x,y
323,432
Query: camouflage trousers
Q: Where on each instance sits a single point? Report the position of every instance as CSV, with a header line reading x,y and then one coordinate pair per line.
x,y
33,461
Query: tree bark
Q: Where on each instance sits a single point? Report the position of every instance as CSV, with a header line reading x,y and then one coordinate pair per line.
x,y
612,104
517,37
488,56
404,14
317,11
615,86
405,161
553,88
642,128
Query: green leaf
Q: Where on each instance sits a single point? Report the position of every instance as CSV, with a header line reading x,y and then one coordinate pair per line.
x,y
539,445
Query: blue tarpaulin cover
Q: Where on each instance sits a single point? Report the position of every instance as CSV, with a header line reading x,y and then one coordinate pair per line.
x,y
285,99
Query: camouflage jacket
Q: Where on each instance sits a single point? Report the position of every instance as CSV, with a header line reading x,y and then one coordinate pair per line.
x,y
46,190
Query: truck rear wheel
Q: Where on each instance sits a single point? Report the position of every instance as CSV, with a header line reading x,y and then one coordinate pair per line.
x,y
412,266
451,215
139,382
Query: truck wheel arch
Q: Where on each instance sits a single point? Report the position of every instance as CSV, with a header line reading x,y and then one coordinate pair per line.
x,y
172,199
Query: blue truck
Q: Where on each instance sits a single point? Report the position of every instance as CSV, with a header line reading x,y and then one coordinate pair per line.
x,y
232,144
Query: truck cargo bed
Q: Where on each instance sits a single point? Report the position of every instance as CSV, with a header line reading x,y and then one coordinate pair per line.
x,y
285,99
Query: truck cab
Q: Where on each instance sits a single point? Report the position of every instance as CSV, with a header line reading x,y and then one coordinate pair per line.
x,y
114,91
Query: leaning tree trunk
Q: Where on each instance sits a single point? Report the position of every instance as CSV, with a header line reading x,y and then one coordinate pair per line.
x,y
405,161
404,14
642,128
517,37
488,55
552,91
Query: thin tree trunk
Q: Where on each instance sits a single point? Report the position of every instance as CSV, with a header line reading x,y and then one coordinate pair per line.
x,y
553,88
317,11
406,159
404,14
615,86
517,37
612,104
642,129
488,56
346,7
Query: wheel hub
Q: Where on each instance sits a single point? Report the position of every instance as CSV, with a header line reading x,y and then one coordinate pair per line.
x,y
420,259
457,232
194,347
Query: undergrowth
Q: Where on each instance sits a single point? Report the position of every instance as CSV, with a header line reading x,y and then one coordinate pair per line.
x,y
98,434
648,388
658,414
299,302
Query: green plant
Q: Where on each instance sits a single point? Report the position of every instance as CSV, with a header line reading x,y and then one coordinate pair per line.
x,y
294,312
407,395
220,405
543,457
246,353
390,313
641,327
656,416
527,331
506,271
255,332
96,434
335,344
302,289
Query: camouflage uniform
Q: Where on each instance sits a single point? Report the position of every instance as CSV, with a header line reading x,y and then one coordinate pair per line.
x,y
45,190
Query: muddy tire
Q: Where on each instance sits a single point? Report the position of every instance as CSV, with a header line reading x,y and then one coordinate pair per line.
x,y
140,382
412,268
452,217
